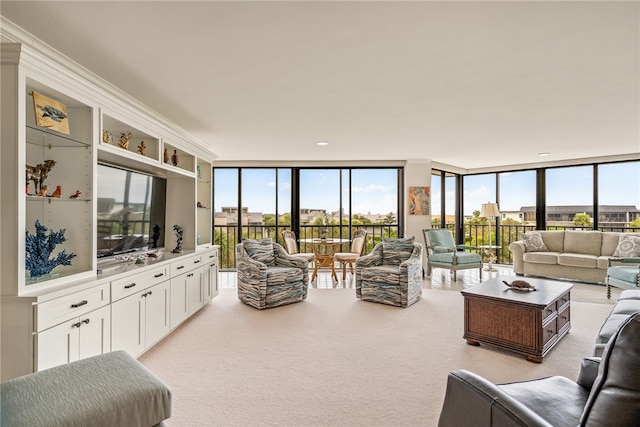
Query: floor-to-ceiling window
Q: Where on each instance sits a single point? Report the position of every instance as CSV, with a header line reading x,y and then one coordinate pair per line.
x,y
619,196
569,195
305,200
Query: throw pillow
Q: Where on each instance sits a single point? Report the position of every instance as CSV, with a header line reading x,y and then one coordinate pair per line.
x,y
533,242
628,246
396,251
260,250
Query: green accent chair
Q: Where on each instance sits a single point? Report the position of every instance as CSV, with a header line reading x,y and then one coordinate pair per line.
x,y
623,276
442,252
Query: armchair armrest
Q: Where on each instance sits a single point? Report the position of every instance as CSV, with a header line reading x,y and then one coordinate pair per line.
x,y
372,259
437,249
588,372
517,248
623,260
415,258
243,258
471,400
282,258
464,247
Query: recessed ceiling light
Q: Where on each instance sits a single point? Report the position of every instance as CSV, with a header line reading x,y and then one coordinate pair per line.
x,y
322,143
544,154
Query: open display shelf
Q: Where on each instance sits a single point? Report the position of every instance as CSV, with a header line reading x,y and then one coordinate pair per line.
x,y
66,163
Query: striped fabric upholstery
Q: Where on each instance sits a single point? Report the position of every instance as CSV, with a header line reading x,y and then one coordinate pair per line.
x,y
395,251
265,286
261,250
398,282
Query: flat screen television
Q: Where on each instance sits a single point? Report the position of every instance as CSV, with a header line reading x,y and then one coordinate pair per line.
x,y
131,210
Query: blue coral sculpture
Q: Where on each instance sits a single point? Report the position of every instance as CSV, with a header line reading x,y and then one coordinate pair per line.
x,y
39,248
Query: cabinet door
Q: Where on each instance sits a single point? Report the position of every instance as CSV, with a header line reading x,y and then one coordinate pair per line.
x,y
58,345
210,277
95,333
157,313
195,291
128,324
179,299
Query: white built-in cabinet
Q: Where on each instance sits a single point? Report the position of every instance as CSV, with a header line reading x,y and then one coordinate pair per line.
x,y
84,336
85,308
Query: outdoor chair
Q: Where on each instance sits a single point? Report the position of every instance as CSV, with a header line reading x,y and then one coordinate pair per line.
x,y
268,276
606,393
442,252
358,241
623,276
391,273
291,245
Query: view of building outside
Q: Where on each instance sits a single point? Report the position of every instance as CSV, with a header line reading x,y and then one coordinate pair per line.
x,y
338,200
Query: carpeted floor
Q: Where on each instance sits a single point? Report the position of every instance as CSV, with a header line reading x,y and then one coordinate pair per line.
x,y
337,361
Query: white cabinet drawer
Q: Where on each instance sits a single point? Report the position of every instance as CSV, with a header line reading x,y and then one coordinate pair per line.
x,y
51,313
136,282
186,264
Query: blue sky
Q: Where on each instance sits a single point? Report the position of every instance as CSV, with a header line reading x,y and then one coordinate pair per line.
x,y
619,184
374,190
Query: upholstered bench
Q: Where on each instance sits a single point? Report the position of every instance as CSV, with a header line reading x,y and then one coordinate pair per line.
x,y
109,390
628,303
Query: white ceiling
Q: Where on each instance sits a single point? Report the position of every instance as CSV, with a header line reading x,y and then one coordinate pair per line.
x,y
469,84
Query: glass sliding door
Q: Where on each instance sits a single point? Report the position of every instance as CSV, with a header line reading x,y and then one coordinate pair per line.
x,y
225,214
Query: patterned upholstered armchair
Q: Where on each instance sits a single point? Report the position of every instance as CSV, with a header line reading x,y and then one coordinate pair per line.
x,y
268,276
391,273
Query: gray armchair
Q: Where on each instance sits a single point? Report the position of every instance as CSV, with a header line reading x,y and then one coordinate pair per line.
x,y
607,393
442,252
391,273
268,276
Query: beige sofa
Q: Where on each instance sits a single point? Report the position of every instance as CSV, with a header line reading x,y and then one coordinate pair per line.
x,y
569,254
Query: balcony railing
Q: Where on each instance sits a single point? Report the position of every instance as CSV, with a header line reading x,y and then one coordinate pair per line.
x,y
475,235
226,237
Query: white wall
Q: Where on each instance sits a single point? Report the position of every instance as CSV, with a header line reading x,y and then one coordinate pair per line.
x,y
417,173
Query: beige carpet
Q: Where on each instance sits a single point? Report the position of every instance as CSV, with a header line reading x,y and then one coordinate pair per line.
x,y
337,361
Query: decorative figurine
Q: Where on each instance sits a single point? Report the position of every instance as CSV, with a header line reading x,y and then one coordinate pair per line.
x,y
200,205
107,137
198,172
142,147
179,232
166,156
174,158
43,191
125,137
57,192
77,195
39,248
520,285
39,173
155,236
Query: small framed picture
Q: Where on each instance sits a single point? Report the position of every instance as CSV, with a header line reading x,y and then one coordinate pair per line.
x,y
50,113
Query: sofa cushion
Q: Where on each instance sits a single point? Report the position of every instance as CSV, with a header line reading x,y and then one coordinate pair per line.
x,y
533,242
624,273
396,251
260,250
541,257
461,258
280,275
583,242
577,260
626,306
610,242
628,246
381,274
629,294
554,240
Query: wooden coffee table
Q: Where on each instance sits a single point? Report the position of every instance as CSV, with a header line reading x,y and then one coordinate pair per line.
x,y
527,323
